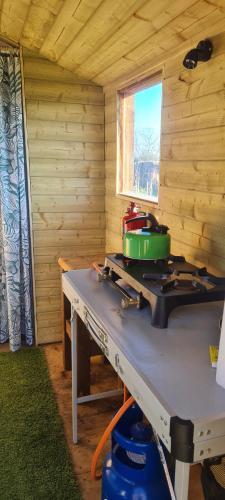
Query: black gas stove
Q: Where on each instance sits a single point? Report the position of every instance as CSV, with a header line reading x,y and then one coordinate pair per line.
x,y
164,285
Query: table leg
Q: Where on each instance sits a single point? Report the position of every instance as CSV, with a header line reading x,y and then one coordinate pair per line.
x,y
66,312
74,374
83,359
182,472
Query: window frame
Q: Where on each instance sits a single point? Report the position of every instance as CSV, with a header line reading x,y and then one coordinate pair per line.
x,y
122,93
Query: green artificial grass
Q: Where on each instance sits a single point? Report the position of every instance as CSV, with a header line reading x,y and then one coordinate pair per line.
x,y
34,460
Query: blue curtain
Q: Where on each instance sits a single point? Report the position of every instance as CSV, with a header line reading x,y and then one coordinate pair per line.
x,y
16,308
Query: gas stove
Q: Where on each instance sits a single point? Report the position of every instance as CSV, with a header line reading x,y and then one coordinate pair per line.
x,y
162,285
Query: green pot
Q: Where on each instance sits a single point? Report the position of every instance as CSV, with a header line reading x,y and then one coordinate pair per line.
x,y
145,245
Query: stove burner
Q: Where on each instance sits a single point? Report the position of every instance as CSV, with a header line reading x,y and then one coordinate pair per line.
x,y
130,262
173,282
182,284
157,276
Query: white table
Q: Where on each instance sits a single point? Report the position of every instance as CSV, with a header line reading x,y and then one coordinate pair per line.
x,y
167,371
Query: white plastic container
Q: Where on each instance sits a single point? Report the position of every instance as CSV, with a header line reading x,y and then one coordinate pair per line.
x,y
220,372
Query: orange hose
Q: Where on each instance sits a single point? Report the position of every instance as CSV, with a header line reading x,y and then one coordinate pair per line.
x,y
106,434
125,393
96,267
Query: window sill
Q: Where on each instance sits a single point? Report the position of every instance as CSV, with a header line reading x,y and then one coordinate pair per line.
x,y
142,199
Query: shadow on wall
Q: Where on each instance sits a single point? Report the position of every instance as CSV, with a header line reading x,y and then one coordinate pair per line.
x,y
204,256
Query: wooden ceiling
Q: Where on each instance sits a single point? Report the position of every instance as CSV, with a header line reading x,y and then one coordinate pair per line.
x,y
102,40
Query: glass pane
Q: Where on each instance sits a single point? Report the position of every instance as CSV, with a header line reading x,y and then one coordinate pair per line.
x,y
147,127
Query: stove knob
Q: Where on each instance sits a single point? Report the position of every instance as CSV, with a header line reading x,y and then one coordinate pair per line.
x,y
124,303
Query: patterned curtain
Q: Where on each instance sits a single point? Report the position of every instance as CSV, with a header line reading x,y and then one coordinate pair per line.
x,y
16,308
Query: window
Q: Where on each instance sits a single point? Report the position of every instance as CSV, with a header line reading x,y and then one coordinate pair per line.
x,y
139,140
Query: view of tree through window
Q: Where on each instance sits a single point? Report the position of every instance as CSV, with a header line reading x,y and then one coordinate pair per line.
x,y
147,124
140,122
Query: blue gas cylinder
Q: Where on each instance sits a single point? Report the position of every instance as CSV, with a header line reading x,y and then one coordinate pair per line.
x,y
133,470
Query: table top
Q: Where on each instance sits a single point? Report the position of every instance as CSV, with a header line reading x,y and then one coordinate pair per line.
x,y
80,262
173,362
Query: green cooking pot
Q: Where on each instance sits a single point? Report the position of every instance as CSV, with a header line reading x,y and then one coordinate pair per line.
x,y
148,243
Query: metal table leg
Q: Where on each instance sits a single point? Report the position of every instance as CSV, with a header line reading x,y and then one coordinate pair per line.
x,y
74,373
182,472
89,397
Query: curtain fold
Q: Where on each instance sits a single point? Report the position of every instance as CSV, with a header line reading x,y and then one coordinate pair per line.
x,y
16,307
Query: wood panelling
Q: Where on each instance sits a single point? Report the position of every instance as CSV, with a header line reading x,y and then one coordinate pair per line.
x,y
67,186
67,220
140,38
59,237
40,148
73,17
75,113
46,255
66,149
48,167
48,71
192,171
59,92
170,37
39,19
65,204
104,40
194,175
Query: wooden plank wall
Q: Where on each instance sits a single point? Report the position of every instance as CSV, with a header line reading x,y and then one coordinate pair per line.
x,y
65,125
192,174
